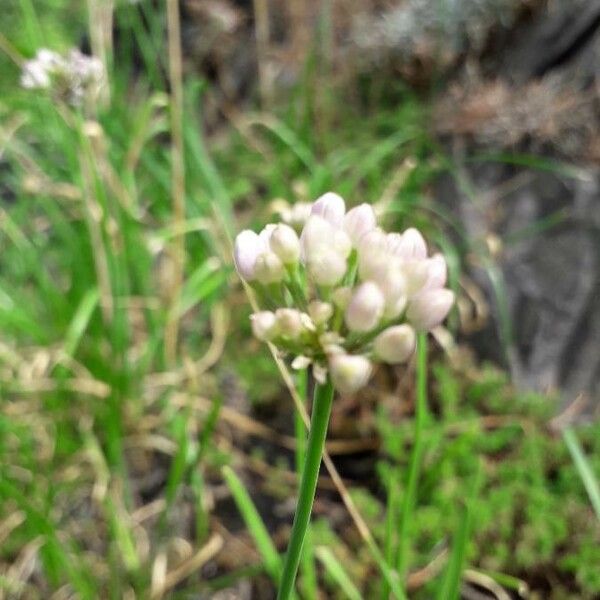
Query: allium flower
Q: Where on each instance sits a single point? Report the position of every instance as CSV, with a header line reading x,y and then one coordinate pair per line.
x,y
75,78
344,294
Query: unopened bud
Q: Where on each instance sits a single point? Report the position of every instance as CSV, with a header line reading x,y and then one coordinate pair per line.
x,y
294,215
341,297
285,244
373,255
359,221
429,308
416,273
395,344
268,268
248,246
331,207
437,272
264,325
319,236
320,312
365,308
289,322
349,373
412,245
392,282
326,267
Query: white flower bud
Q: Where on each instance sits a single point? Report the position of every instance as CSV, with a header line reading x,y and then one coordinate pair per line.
x,y
285,243
412,245
327,267
373,255
297,214
331,342
341,243
330,207
416,273
320,312
264,325
437,272
301,362
349,373
359,221
319,373
429,308
268,268
392,282
289,322
248,247
365,307
341,297
395,344
265,234
319,235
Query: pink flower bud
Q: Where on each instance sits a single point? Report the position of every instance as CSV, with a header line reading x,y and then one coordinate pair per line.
x,y
429,308
437,272
284,242
395,344
412,245
289,322
416,273
330,207
268,268
264,325
349,373
359,221
248,246
365,308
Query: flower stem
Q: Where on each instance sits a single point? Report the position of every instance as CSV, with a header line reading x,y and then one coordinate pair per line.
x,y
323,398
307,560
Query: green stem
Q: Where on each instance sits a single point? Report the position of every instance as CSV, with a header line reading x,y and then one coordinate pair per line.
x,y
323,399
307,560
410,493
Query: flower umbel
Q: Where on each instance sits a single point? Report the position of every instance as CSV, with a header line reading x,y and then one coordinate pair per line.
x,y
344,294
75,78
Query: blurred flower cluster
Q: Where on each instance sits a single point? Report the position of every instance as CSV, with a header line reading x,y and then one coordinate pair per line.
x,y
343,294
75,78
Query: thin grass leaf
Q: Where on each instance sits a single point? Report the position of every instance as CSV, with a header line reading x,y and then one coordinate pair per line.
x,y
80,321
589,479
450,587
201,284
410,493
256,526
337,572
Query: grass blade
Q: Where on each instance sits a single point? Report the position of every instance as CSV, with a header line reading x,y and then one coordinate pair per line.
x,y
589,479
450,587
410,495
337,572
256,526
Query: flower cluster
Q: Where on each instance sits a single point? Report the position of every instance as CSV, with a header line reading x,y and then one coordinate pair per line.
x,y
344,293
75,78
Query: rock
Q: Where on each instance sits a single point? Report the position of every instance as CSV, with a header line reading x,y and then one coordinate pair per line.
x,y
538,97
